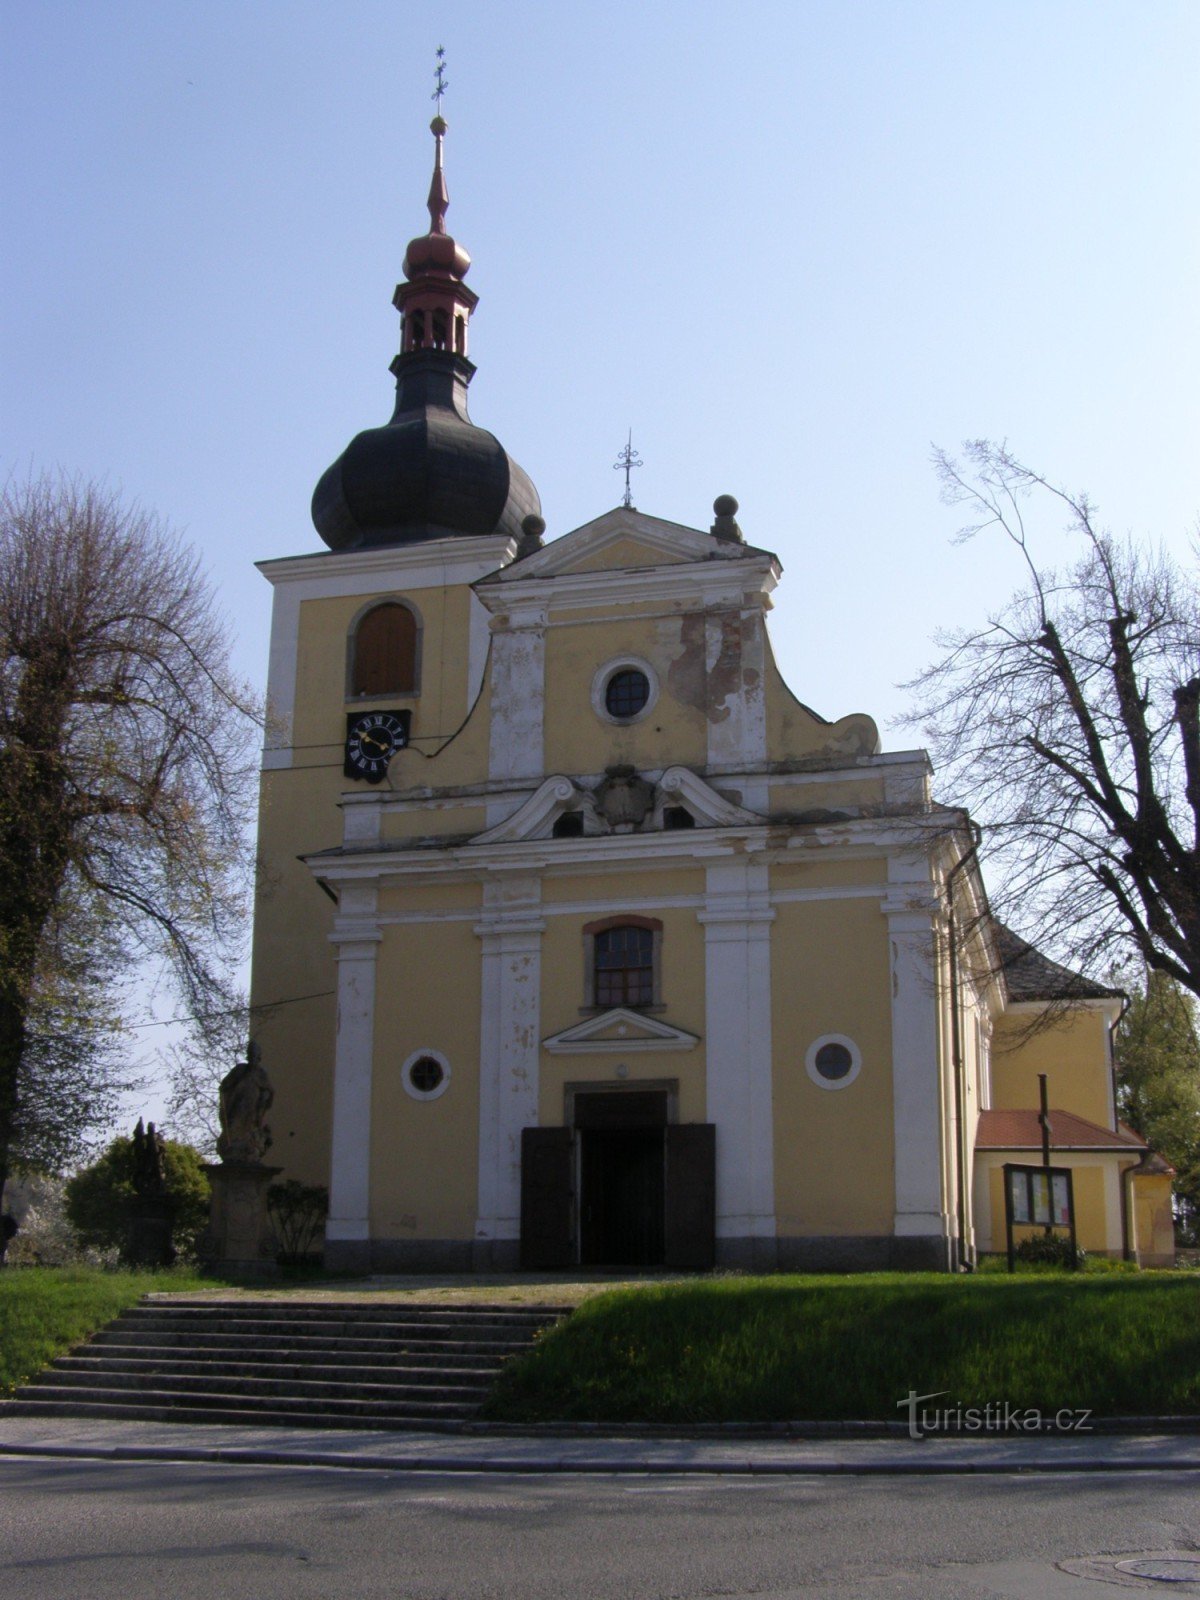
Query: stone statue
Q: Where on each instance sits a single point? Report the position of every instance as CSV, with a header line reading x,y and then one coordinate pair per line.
x,y
246,1097
149,1172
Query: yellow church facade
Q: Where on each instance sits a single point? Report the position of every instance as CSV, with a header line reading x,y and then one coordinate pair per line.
x,y
580,941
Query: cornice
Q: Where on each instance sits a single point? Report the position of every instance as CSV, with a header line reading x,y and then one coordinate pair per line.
x,y
457,560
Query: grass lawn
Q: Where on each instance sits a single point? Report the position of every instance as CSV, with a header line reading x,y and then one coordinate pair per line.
x,y
45,1310
793,1348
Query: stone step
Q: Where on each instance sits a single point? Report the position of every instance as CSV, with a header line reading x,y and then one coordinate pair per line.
x,y
359,1311
113,1353
368,1347
219,1382
133,1409
296,1407
362,1366
283,1370
339,1328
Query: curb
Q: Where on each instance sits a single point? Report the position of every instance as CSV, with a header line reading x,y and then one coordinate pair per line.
x,y
559,1465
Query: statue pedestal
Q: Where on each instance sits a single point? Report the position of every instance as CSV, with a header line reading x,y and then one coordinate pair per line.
x,y
148,1243
239,1237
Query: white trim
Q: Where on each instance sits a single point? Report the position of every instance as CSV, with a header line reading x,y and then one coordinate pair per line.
x,y
672,539
810,1061
635,1031
701,586
410,1087
431,564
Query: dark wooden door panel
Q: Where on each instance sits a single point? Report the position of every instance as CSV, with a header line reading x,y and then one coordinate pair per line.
x,y
547,1236
691,1208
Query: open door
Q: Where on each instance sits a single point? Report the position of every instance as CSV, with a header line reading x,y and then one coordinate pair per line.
x,y
691,1198
547,1231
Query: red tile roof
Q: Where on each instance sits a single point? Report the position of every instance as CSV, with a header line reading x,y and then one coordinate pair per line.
x,y
1020,1130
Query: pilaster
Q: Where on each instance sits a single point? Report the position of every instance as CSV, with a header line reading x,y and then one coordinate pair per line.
x,y
922,1225
518,706
356,937
737,921
735,662
511,929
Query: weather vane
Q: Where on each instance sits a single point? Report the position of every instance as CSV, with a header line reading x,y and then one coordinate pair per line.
x,y
625,462
439,78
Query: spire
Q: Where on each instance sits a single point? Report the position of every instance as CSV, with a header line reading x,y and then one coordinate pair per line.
x,y
429,473
439,195
434,303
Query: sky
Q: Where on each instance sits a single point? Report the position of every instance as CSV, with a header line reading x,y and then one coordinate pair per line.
x,y
791,244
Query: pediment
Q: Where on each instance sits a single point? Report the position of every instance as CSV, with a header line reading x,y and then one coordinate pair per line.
x,y
676,787
618,540
619,1031
535,819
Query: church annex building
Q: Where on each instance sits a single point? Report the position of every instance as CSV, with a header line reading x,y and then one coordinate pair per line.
x,y
599,947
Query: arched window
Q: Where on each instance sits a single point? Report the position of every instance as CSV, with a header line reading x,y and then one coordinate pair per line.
x,y
384,651
622,955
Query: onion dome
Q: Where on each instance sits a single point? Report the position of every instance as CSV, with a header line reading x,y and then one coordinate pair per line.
x,y
430,473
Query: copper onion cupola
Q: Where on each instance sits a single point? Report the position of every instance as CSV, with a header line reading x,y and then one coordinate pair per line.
x,y
430,473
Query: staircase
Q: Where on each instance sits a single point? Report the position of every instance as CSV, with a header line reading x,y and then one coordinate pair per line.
x,y
332,1364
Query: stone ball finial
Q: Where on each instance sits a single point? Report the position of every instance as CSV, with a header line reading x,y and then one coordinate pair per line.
x,y
725,526
532,529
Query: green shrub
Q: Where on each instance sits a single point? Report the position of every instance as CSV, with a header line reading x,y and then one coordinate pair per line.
x,y
1049,1250
100,1199
297,1212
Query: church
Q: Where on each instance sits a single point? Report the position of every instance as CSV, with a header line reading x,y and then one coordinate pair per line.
x,y
581,942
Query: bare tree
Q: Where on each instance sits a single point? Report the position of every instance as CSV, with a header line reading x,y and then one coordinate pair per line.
x,y
198,1061
126,773
1068,724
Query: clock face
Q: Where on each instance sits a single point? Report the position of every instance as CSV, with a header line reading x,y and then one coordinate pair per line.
x,y
372,739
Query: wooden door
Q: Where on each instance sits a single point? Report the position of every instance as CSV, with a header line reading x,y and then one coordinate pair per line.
x,y
691,1198
547,1231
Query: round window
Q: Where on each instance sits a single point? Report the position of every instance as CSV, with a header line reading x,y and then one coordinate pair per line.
x,y
426,1074
626,693
833,1061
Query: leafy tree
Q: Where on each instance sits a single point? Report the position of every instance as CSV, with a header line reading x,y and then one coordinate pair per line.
x,y
1069,724
126,777
1158,1077
100,1200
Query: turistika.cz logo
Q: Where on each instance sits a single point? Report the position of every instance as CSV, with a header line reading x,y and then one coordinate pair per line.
x,y
997,1416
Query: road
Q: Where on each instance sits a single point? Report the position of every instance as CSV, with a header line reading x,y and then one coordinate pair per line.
x,y
74,1530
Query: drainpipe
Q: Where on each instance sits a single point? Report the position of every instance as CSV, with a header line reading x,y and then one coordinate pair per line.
x,y
956,1051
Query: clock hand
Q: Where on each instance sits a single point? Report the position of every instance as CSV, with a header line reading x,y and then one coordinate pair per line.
x,y
369,738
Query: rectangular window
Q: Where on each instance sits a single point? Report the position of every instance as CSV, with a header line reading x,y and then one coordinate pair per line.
x,y
624,967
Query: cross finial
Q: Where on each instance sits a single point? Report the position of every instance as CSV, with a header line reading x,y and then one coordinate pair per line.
x,y
440,84
625,462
